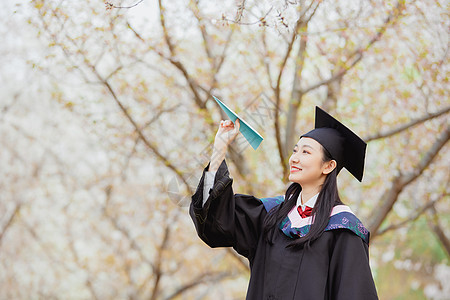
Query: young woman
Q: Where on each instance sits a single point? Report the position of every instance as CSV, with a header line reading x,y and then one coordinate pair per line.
x,y
305,244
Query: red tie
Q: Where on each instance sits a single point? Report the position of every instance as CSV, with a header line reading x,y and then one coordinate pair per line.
x,y
304,213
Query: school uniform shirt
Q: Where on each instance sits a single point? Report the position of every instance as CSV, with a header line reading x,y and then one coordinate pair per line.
x,y
336,266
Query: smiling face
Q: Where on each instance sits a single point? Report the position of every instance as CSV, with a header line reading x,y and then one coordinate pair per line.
x,y
307,166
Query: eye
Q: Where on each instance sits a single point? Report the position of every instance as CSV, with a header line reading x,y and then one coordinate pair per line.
x,y
295,150
306,152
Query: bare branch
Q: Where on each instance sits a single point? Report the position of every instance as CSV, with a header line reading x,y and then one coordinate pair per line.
x,y
157,269
264,61
399,182
135,32
402,127
335,77
164,28
45,249
76,257
414,217
160,112
240,12
236,157
133,244
357,55
220,62
202,278
216,62
277,92
300,27
109,5
146,141
174,61
114,72
9,222
296,95
440,233
206,41
152,147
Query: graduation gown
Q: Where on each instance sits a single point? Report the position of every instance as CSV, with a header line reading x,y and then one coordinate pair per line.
x,y
336,266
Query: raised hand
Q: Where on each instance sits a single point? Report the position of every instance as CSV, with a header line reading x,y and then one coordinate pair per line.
x,y
225,135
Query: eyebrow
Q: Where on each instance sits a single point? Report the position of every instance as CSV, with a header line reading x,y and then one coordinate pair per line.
x,y
304,146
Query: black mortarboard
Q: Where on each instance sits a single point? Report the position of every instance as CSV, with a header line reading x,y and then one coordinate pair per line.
x,y
348,149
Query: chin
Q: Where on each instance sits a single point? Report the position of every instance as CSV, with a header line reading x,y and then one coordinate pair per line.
x,y
293,179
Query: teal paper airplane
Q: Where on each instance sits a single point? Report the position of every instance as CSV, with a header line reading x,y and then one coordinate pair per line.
x,y
252,136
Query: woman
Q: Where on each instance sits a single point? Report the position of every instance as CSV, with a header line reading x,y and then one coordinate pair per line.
x,y
305,244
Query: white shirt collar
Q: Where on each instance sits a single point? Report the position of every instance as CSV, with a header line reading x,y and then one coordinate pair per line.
x,y
310,203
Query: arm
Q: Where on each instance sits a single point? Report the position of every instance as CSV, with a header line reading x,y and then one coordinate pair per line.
x,y
226,133
226,219
349,274
224,137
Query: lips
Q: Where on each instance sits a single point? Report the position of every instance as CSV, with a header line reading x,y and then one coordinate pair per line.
x,y
295,169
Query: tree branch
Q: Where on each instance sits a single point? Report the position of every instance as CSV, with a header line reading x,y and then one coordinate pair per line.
x,y
206,42
240,11
112,219
202,278
152,147
218,65
266,61
440,233
414,217
76,257
236,157
402,127
192,85
277,92
216,62
164,28
105,82
358,53
9,222
399,182
300,28
157,270
296,95
109,5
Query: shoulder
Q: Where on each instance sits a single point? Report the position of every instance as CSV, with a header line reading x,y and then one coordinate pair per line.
x,y
271,202
342,217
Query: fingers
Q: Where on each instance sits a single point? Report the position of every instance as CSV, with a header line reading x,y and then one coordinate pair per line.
x,y
237,124
226,124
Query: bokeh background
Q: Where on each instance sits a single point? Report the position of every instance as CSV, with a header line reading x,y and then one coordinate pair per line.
x,y
107,120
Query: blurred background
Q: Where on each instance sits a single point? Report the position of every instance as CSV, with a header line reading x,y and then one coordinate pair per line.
x,y
107,120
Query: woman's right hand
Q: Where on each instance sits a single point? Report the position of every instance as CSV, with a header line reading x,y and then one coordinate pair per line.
x,y
225,135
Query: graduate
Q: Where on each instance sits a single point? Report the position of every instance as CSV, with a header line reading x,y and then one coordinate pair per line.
x,y
305,244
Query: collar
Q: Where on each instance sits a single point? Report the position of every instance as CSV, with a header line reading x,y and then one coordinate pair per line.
x,y
310,203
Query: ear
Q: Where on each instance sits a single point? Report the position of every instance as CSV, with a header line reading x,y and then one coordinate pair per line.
x,y
329,166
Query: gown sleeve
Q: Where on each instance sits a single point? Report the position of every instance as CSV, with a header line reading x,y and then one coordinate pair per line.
x,y
349,274
208,183
226,219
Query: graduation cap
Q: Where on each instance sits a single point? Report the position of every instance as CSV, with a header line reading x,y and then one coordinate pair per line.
x,y
348,149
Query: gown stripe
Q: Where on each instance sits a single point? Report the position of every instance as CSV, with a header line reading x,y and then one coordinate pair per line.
x,y
341,217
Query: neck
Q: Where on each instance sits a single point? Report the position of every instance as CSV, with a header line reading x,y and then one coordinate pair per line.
x,y
308,192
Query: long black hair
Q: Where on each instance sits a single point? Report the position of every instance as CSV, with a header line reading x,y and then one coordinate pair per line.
x,y
327,199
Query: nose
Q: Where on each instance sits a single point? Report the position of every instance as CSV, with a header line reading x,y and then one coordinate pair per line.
x,y
294,158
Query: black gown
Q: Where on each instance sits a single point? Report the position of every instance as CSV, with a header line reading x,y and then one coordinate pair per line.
x,y
336,266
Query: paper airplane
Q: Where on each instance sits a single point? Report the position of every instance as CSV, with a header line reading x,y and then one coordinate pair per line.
x,y
252,136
